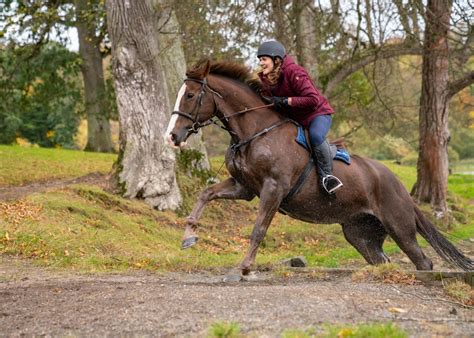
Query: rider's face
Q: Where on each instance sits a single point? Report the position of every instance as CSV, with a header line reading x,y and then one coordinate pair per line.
x,y
267,64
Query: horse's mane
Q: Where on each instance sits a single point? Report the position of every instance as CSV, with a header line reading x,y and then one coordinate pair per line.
x,y
229,69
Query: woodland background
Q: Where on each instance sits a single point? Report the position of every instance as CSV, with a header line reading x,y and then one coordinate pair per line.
x,y
370,58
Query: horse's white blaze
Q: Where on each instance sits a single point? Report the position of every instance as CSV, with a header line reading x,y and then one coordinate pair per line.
x,y
174,117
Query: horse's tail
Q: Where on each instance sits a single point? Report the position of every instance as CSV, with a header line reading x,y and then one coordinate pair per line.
x,y
440,244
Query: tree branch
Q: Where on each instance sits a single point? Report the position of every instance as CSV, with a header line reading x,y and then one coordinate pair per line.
x,y
456,86
337,75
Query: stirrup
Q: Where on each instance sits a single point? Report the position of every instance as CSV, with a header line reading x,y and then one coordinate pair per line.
x,y
335,187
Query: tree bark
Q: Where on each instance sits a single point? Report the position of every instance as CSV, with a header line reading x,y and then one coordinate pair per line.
x,y
174,66
307,46
432,166
146,163
98,126
280,21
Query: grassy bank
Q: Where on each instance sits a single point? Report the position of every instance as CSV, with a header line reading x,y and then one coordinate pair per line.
x,y
23,165
84,228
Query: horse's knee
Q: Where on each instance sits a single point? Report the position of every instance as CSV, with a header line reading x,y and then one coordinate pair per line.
x,y
258,235
206,195
192,221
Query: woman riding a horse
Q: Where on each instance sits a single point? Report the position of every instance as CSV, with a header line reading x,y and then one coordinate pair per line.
x,y
293,93
264,160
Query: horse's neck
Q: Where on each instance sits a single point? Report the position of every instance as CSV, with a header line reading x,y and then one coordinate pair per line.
x,y
236,98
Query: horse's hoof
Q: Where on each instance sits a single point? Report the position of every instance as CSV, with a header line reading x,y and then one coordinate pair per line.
x,y
189,242
245,271
250,277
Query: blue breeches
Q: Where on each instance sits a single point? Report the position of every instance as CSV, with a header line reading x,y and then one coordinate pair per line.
x,y
319,128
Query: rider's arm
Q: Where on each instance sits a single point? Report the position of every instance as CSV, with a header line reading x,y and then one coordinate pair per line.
x,y
307,95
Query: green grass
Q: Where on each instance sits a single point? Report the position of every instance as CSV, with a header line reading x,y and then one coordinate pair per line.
x,y
459,184
460,291
223,329
463,166
82,227
406,174
462,185
87,229
22,165
371,330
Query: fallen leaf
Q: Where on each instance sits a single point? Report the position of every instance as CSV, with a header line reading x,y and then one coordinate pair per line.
x,y
397,310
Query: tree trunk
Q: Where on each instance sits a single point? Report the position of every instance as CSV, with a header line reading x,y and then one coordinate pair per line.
x,y
306,37
432,166
278,8
146,163
174,66
98,127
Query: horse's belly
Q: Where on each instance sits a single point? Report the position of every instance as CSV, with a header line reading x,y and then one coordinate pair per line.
x,y
320,210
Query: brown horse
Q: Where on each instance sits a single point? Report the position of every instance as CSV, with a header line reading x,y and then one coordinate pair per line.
x,y
263,160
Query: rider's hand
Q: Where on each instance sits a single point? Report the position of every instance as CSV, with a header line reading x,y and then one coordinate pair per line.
x,y
280,102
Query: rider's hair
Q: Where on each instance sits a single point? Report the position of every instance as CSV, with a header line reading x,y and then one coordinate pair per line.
x,y
274,75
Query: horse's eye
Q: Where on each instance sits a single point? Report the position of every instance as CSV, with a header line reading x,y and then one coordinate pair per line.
x,y
190,95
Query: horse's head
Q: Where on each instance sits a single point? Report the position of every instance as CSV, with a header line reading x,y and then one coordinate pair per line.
x,y
194,105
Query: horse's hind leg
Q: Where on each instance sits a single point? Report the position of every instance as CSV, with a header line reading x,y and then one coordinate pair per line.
x,y
401,227
366,234
228,189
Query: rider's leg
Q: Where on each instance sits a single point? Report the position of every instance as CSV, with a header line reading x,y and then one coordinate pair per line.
x,y
318,130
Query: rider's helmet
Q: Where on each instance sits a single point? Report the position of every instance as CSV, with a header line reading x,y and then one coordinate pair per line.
x,y
272,49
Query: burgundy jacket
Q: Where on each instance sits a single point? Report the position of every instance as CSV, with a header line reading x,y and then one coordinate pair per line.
x,y
306,101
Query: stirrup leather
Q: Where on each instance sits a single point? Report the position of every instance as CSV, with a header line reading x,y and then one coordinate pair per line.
x,y
333,189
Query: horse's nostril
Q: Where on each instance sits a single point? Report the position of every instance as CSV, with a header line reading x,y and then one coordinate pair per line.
x,y
171,139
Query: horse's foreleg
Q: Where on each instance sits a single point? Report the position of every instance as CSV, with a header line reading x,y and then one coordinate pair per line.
x,y
270,199
229,189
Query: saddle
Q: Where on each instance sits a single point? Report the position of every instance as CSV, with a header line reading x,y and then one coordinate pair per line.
x,y
338,152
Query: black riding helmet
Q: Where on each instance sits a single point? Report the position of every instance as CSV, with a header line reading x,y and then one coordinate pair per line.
x,y
272,49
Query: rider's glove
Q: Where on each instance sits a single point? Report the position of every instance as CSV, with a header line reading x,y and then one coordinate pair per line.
x,y
279,102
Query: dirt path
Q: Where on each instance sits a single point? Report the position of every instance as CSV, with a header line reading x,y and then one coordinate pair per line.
x,y
37,301
17,192
40,301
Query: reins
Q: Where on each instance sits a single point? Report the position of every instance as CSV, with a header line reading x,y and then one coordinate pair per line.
x,y
198,125
246,110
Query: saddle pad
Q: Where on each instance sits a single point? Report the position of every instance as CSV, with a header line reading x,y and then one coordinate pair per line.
x,y
338,154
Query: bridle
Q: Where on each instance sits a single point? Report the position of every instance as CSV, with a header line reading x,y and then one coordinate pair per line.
x,y
198,125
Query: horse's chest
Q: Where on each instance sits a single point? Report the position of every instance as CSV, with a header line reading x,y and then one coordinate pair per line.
x,y
244,172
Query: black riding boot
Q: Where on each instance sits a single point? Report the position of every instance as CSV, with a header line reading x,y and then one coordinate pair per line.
x,y
322,156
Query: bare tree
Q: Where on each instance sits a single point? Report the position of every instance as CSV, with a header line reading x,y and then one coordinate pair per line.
x,y
432,166
307,36
174,66
96,105
145,166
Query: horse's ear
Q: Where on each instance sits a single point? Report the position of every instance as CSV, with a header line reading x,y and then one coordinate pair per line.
x,y
200,70
206,68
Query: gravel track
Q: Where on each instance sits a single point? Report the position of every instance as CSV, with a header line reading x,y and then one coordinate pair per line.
x,y
39,301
